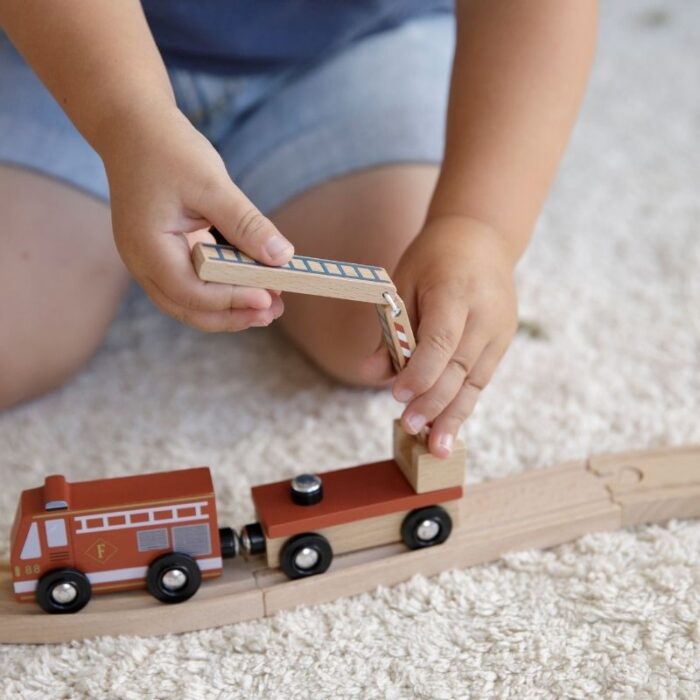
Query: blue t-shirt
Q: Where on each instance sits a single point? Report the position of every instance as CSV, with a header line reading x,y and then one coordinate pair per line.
x,y
251,36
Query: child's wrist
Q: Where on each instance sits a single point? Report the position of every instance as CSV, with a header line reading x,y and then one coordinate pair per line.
x,y
122,127
474,230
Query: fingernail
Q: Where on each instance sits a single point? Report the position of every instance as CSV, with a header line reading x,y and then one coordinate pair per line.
x,y
260,323
445,442
416,422
404,395
278,246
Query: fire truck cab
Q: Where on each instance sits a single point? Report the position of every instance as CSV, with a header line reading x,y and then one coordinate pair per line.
x,y
160,531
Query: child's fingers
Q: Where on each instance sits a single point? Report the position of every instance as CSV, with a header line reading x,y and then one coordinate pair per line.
x,y
169,269
242,225
441,325
445,428
226,320
428,406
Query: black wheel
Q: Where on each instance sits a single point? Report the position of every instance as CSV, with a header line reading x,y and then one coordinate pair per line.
x,y
306,555
173,578
253,539
426,527
63,591
228,541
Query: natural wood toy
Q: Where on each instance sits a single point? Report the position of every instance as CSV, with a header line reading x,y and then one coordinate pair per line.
x,y
303,525
70,540
541,508
160,530
329,278
354,525
155,530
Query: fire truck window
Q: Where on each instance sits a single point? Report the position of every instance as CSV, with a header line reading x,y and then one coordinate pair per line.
x,y
32,548
56,533
148,540
192,539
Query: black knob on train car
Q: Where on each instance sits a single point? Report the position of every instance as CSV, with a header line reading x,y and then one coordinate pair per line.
x,y
228,539
307,489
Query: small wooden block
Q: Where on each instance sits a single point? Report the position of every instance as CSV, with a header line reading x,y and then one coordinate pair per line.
x,y
424,471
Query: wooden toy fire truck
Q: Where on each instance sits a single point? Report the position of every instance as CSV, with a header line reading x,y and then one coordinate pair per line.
x,y
159,530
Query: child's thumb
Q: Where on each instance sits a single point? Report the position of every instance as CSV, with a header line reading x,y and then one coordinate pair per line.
x,y
241,224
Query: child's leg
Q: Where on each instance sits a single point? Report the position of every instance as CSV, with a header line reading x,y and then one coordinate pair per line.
x,y
61,281
370,216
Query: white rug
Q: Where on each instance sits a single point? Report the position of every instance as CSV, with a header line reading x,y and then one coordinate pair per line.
x,y
613,279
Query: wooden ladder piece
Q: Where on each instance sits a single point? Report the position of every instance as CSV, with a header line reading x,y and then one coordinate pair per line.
x,y
302,274
537,509
215,262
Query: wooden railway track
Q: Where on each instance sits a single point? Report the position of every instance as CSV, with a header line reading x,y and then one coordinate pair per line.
x,y
538,509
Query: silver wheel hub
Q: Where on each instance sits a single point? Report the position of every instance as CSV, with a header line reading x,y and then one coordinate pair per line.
x,y
174,579
428,530
306,558
245,542
64,593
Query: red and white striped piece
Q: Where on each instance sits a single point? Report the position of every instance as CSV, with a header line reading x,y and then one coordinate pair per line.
x,y
404,345
397,331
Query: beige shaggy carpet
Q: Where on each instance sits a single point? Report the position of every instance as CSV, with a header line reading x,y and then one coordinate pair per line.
x,y
613,283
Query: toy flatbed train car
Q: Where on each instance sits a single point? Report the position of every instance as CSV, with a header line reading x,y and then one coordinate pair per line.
x,y
304,523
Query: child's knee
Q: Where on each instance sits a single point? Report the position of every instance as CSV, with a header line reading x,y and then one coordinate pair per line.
x,y
341,351
28,373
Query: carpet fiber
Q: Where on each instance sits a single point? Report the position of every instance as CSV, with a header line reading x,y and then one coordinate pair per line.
x,y
611,287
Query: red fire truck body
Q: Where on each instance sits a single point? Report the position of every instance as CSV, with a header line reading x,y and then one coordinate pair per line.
x,y
112,530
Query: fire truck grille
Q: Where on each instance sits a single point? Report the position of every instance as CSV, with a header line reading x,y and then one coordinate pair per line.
x,y
58,556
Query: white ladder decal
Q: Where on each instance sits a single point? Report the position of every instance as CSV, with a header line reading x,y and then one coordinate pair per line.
x,y
170,515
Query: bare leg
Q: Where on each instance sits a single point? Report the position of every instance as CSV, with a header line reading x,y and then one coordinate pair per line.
x,y
370,217
61,282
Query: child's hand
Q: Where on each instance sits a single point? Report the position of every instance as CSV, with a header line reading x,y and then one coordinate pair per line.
x,y
457,281
167,180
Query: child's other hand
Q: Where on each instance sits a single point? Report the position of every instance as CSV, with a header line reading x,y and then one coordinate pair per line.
x,y
457,282
166,180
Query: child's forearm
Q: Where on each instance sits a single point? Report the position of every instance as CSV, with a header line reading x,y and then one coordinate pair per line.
x,y
97,57
519,74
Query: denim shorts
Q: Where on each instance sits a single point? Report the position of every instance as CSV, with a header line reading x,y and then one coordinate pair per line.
x,y
379,101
